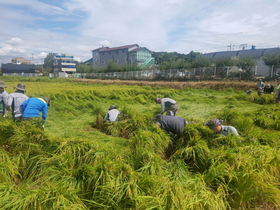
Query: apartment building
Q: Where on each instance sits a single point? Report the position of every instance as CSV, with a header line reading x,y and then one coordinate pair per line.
x,y
64,63
123,55
20,60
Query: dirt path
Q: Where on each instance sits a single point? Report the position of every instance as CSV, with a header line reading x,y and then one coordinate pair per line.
x,y
241,85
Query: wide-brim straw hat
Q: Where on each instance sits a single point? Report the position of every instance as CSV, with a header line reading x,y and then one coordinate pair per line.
x,y
21,86
2,84
112,107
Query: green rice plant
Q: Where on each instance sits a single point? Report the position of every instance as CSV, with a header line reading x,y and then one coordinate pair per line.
x,y
60,195
196,157
228,115
8,169
7,130
262,99
243,124
193,132
225,142
147,151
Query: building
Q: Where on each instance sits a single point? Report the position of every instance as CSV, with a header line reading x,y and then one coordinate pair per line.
x,y
64,63
7,69
20,60
123,55
261,68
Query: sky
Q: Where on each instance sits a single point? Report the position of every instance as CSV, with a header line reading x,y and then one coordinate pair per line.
x,y
34,28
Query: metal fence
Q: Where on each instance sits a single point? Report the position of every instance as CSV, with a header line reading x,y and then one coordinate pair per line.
x,y
228,72
23,74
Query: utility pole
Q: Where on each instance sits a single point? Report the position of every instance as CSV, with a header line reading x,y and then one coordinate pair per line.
x,y
231,46
32,57
42,64
243,46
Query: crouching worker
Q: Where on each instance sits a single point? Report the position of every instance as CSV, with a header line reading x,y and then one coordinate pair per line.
x,y
268,89
112,115
168,105
173,125
32,107
218,128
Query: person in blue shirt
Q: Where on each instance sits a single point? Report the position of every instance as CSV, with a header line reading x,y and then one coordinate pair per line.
x,y
33,106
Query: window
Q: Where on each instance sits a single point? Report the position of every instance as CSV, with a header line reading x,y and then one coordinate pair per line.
x,y
109,53
103,53
125,60
117,52
103,62
123,51
117,60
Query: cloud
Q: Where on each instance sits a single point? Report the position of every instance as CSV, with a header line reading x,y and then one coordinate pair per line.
x,y
79,26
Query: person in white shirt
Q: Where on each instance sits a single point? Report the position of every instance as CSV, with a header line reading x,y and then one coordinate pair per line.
x,y
112,115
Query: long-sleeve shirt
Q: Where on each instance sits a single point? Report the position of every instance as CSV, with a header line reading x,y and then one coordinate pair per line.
x,y
112,115
15,100
166,102
4,96
33,106
226,130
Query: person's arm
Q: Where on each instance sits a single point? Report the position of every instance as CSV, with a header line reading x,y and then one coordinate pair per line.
x,y
5,98
162,106
44,113
106,117
9,103
23,105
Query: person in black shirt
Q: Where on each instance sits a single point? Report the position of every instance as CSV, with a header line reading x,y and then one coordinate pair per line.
x,y
172,125
268,89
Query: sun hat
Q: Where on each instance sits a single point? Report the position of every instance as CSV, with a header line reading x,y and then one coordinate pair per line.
x,y
213,123
20,86
2,84
47,100
112,107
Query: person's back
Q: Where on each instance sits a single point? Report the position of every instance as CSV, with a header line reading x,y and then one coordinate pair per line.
x,y
269,89
16,99
227,130
33,106
172,124
112,114
168,105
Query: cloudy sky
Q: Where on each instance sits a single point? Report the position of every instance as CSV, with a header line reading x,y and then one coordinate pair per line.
x,y
34,28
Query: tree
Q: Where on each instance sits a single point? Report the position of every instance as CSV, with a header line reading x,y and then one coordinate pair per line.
x,y
48,61
272,58
245,64
201,61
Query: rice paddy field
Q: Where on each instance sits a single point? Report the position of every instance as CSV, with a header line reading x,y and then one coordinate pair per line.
x,y
80,162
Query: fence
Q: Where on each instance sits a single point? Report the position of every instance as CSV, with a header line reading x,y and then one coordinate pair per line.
x,y
23,74
229,72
